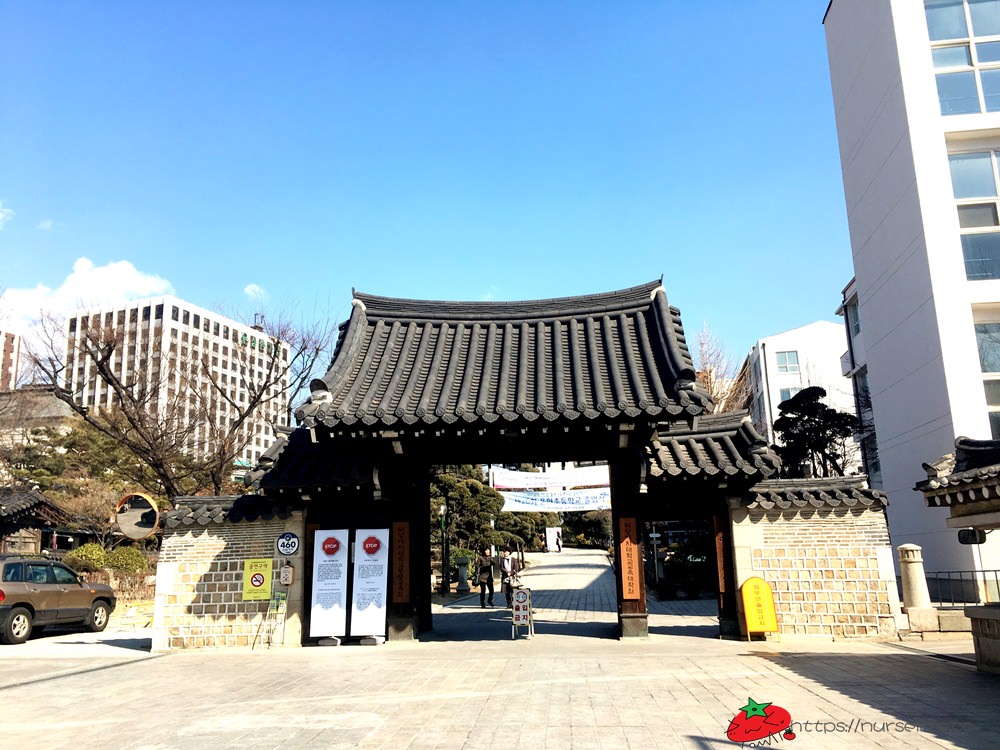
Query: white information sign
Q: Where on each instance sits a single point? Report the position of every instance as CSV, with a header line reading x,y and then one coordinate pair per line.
x,y
371,582
522,607
329,591
553,539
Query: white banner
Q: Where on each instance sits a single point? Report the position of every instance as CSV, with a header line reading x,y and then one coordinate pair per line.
x,y
565,500
329,589
371,581
580,476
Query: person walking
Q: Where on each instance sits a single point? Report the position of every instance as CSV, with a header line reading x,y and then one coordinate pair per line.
x,y
484,577
509,567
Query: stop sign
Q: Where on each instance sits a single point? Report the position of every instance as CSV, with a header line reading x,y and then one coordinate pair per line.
x,y
371,545
331,546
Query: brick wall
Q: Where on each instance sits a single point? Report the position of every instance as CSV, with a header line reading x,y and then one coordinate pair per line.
x,y
830,569
199,585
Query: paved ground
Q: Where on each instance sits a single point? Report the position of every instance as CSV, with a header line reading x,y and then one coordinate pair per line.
x,y
470,686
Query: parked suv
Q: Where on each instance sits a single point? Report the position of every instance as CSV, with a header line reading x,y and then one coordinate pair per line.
x,y
35,592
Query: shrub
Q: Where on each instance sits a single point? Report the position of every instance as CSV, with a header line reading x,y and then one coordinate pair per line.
x,y
86,558
128,559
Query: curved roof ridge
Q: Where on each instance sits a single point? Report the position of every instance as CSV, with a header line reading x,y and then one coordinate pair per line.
x,y
604,303
617,355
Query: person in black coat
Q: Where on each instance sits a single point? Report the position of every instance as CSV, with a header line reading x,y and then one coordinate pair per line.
x,y
509,567
484,577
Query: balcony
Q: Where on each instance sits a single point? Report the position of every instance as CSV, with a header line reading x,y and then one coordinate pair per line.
x,y
846,365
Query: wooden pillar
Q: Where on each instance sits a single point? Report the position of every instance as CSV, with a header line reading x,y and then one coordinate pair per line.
x,y
409,600
633,619
729,624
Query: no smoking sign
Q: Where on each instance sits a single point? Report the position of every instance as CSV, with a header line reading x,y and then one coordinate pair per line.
x,y
257,580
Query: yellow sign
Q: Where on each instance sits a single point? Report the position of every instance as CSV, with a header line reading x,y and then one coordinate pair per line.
x,y
758,606
257,579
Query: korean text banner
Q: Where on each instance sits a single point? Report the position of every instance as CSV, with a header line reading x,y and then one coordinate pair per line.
x,y
566,500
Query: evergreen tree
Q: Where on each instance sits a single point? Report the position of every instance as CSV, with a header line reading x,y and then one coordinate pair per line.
x,y
812,435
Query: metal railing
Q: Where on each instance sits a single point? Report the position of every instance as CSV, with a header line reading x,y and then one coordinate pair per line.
x,y
960,588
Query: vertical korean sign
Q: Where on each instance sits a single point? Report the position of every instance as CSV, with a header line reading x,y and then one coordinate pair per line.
x,y
629,547
371,582
329,584
401,562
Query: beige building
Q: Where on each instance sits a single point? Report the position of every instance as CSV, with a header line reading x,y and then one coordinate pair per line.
x,y
200,368
10,348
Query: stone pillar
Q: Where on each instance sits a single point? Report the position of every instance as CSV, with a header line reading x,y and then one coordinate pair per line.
x,y
463,575
916,598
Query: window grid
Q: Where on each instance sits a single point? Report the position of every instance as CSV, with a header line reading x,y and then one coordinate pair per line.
x,y
975,177
967,65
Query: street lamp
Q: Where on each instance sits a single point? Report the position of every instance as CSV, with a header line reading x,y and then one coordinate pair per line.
x,y
445,562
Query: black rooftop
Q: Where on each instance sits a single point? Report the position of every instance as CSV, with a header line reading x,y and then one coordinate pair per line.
x,y
726,444
602,356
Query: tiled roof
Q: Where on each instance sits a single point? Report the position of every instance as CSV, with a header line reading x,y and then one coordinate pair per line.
x,y
970,474
190,511
405,362
295,462
817,493
17,503
724,444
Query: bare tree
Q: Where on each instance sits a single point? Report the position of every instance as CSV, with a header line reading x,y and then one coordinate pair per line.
x,y
187,413
719,373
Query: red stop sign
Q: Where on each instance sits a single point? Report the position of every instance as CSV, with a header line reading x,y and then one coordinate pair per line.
x,y
371,545
331,546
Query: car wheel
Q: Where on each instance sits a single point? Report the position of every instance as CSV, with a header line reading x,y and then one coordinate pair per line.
x,y
17,627
98,619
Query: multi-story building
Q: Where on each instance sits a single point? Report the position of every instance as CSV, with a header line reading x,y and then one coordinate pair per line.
x,y
198,368
10,351
916,89
854,366
781,365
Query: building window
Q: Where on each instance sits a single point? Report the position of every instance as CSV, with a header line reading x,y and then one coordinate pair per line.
x,y
133,315
967,65
186,318
788,361
145,312
786,393
853,317
174,312
159,312
988,339
197,321
974,182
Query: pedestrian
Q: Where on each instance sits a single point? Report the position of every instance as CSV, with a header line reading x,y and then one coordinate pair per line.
x,y
484,577
558,541
509,568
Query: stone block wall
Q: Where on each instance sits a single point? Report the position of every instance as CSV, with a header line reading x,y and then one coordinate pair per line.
x,y
830,568
199,585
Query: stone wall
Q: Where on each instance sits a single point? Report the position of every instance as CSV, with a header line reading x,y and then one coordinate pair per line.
x,y
830,568
199,585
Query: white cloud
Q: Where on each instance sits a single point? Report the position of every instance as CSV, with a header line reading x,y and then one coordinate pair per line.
x,y
6,215
255,292
46,224
87,285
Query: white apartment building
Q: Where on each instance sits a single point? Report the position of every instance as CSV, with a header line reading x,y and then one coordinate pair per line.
x,y
185,353
10,352
916,89
781,365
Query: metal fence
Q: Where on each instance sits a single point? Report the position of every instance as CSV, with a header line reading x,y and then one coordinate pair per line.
x,y
960,588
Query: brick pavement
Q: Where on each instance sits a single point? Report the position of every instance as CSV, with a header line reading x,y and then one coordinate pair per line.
x,y
468,685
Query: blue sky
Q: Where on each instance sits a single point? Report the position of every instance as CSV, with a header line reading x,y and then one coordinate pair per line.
x,y
228,152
